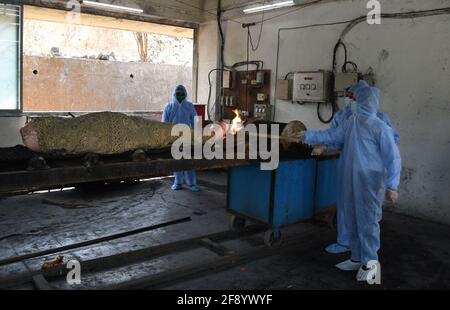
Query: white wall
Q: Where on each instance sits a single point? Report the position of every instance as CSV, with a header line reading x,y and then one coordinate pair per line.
x,y
8,65
411,60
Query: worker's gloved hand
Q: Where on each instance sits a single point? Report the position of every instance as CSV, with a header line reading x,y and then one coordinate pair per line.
x,y
318,150
391,196
300,136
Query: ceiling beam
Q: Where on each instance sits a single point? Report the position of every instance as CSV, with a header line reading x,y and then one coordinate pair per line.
x,y
59,16
146,17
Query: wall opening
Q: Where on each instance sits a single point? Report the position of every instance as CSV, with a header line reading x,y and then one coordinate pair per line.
x,y
95,63
10,30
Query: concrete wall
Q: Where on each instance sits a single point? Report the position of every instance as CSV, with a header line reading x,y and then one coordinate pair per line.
x,y
411,61
67,84
89,42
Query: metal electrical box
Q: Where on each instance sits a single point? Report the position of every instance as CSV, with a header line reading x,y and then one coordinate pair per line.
x,y
260,77
263,111
344,80
226,80
284,89
311,86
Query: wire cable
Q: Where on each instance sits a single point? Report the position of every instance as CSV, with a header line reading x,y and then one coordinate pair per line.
x,y
222,47
196,7
278,50
254,49
210,12
344,66
403,15
351,24
208,103
336,47
246,74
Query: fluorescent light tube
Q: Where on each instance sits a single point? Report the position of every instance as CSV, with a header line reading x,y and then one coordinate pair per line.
x,y
112,6
269,7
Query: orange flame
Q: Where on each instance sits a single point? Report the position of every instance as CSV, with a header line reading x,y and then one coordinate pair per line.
x,y
237,122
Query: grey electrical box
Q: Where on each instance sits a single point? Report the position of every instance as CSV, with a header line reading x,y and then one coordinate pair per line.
x,y
284,89
260,77
344,80
311,86
227,79
263,111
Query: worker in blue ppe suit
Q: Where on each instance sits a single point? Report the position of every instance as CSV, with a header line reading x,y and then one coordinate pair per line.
x,y
362,84
181,111
343,240
370,165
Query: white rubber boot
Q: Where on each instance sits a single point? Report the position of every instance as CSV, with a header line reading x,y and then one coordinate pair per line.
x,y
369,274
348,265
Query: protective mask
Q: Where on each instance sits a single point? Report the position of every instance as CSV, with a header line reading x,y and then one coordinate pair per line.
x,y
181,98
347,102
353,106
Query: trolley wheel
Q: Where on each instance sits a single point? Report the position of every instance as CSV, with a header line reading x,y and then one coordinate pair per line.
x,y
36,163
273,238
237,224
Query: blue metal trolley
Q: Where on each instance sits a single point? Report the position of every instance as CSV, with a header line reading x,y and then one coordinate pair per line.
x,y
295,191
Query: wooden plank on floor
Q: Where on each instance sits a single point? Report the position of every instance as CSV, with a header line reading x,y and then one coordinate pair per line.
x,y
215,247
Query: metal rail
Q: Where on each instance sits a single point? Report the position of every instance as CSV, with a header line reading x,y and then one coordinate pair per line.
x,y
156,281
41,278
91,242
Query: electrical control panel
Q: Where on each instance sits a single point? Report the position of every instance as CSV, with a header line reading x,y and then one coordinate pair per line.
x,y
263,111
311,86
248,88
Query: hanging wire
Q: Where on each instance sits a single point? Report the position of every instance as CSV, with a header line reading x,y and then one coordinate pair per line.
x,y
254,49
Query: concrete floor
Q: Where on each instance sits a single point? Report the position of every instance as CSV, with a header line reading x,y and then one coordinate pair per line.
x,y
414,255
